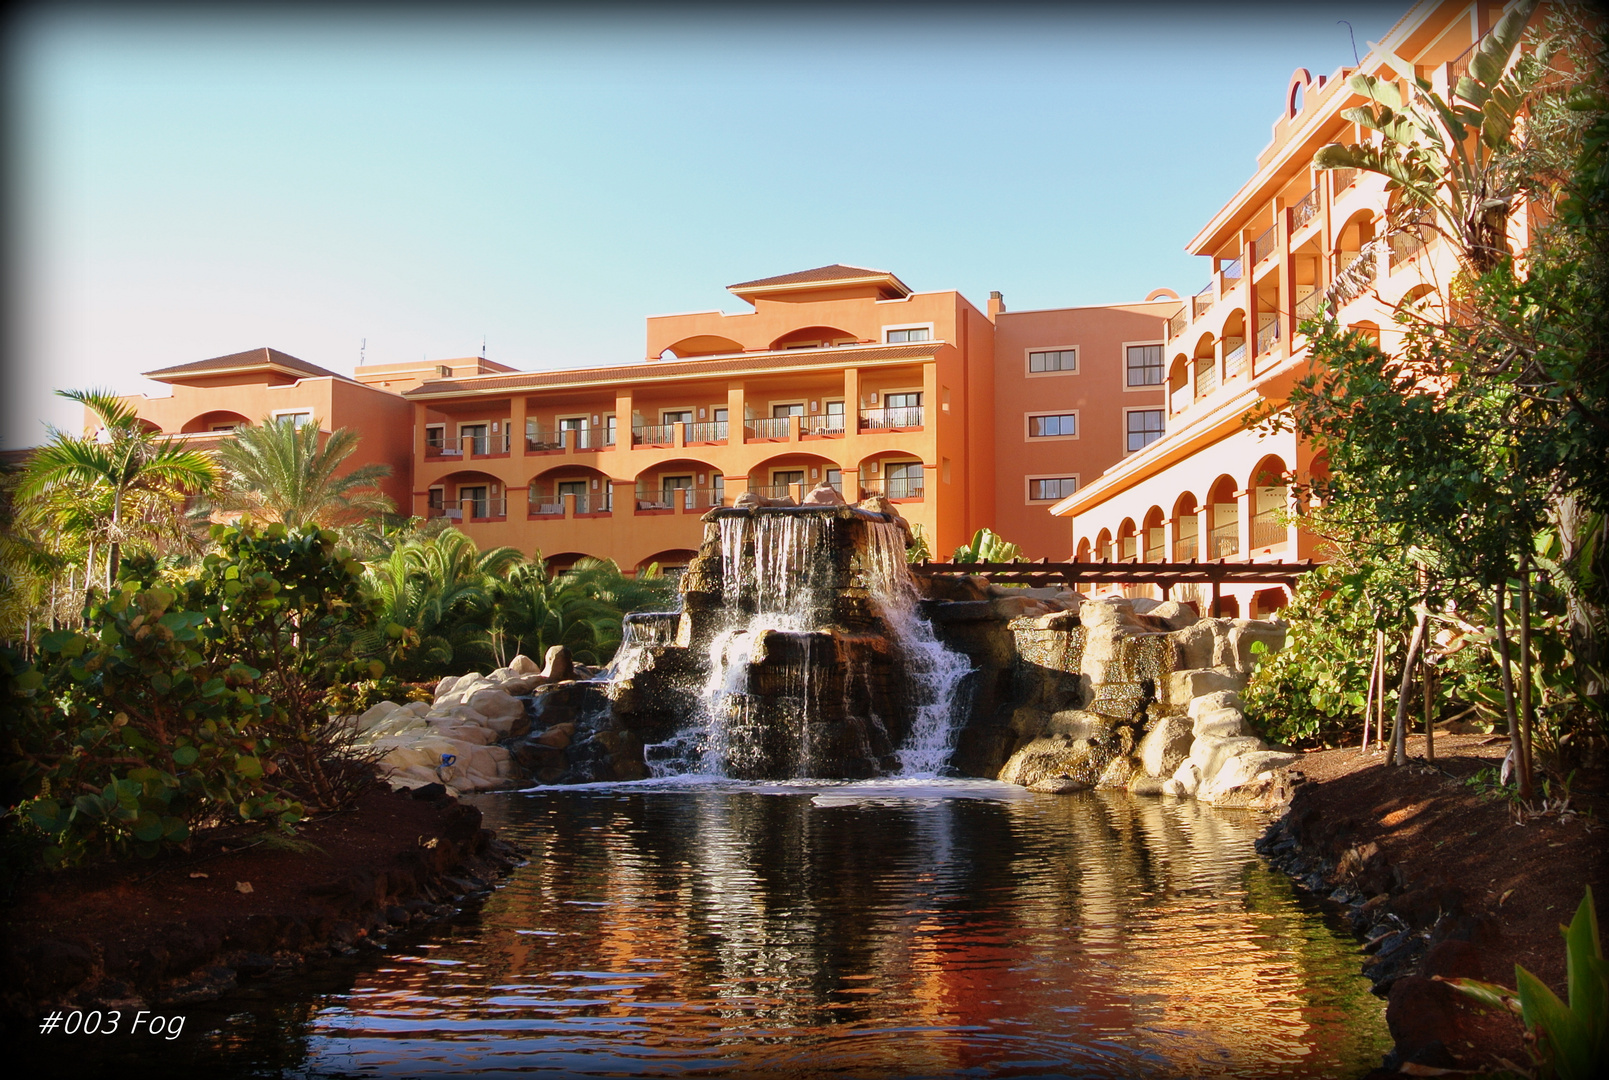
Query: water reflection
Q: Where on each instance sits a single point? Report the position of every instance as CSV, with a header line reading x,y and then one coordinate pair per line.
x,y
874,929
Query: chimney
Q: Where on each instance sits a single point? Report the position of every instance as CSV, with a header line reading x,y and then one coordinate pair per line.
x,y
997,304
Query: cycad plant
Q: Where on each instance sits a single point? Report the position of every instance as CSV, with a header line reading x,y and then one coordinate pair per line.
x,y
277,471
115,486
533,612
435,598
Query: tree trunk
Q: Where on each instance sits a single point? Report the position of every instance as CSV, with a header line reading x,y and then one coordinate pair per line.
x,y
115,551
1516,748
1527,705
1399,729
1380,692
1427,674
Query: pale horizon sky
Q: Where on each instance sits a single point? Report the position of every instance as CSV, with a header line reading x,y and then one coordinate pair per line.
x,y
185,185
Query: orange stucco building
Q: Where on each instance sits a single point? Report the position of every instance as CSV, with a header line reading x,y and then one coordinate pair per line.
x,y
1098,432
963,417
1293,242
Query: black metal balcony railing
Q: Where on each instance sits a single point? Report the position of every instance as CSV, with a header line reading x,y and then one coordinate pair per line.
x,y
714,431
1305,209
1263,246
897,488
468,444
1234,356
909,416
586,439
1267,335
1233,269
1201,301
1266,529
824,424
540,440
1206,376
1184,547
653,435
1180,320
780,491
770,427
482,508
1341,179
545,506
1309,306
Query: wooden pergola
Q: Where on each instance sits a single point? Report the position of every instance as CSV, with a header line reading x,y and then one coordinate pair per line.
x,y
1164,575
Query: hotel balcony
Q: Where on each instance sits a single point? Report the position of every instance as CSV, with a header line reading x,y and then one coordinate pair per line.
x,y
467,446
908,418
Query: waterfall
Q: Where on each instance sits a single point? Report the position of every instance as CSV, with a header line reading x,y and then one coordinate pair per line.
x,y
813,659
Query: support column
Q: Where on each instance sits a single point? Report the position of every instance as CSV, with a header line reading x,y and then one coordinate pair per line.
x,y
1245,502
623,409
736,403
1204,550
516,425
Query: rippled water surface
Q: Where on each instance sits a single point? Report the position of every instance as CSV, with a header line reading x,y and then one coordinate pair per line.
x,y
893,928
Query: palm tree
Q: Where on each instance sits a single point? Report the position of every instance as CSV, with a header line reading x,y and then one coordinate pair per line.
x,y
99,485
534,612
276,471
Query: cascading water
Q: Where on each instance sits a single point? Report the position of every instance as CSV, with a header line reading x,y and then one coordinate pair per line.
x,y
806,656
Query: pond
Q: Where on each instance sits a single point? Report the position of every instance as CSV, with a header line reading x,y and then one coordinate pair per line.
x,y
883,928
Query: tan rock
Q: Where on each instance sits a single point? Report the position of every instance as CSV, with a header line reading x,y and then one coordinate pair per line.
x,y
1165,745
523,665
559,666
1059,785
823,494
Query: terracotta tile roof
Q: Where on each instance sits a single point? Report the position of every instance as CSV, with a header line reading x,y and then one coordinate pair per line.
x,y
656,371
252,358
825,275
835,272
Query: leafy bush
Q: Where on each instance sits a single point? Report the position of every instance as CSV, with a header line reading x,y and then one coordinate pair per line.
x,y
186,705
988,547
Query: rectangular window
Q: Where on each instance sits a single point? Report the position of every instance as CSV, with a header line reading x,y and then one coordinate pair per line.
x,y
778,412
1043,427
1144,428
919,333
835,477
1053,360
436,501
295,419
1051,488
435,436
676,416
1145,365
902,401
473,501
670,485
578,488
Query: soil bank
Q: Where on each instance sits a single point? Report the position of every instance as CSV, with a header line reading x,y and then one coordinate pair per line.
x,y
242,904
1439,878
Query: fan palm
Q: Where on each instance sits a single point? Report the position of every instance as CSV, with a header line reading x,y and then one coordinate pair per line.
x,y
115,485
534,612
277,471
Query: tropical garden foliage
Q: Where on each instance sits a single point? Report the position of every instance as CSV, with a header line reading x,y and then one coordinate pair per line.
x,y
184,675
1463,491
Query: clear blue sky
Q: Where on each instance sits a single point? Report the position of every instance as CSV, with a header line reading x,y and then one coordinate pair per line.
x,y
184,186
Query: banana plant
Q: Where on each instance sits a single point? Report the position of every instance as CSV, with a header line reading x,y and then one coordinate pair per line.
x,y
1449,159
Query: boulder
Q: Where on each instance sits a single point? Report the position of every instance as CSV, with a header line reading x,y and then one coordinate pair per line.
x,y
1186,686
523,665
559,666
1185,780
376,713
495,703
1058,785
1119,771
823,494
1218,699
1165,745
1209,754
1243,769
1220,724
879,504
446,685
1170,613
